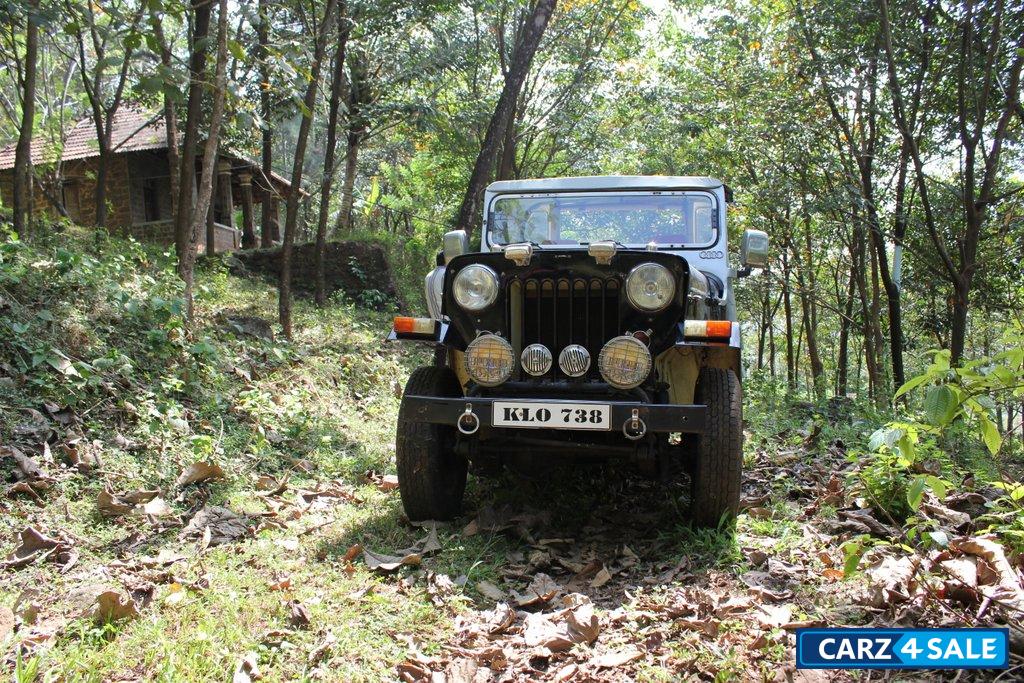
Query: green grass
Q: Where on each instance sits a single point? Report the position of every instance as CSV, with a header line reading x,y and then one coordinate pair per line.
x,y
151,398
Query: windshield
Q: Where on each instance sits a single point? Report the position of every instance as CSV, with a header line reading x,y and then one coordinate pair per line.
x,y
632,218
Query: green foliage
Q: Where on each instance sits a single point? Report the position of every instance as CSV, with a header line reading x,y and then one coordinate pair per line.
x,y
926,451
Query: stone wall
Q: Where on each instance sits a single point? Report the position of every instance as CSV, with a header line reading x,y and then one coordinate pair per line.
x,y
80,192
353,267
162,232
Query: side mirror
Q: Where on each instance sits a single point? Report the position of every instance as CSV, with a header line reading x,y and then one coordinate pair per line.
x,y
455,243
754,249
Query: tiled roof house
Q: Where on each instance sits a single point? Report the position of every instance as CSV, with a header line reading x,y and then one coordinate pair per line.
x,y
138,182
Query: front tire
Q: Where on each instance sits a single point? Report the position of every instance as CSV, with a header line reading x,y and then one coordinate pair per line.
x,y
718,467
431,477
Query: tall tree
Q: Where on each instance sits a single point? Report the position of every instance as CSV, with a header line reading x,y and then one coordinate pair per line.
x,y
355,132
191,218
468,216
268,220
327,183
981,51
112,36
170,107
325,29
23,152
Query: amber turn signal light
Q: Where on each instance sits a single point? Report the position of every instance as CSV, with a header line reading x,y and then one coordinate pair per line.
x,y
711,329
404,325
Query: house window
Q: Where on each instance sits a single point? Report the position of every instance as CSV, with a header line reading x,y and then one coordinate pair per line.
x,y
150,200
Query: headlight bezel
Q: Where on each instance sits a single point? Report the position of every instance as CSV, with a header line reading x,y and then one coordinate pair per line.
x,y
469,359
668,287
468,271
644,359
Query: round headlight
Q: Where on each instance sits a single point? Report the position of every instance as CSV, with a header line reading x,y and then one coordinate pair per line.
x,y
489,360
650,286
475,287
624,362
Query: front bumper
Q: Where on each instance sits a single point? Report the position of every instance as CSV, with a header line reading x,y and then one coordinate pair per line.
x,y
658,418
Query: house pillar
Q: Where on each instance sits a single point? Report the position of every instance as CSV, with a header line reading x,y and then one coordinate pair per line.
x,y
211,220
275,215
248,233
227,201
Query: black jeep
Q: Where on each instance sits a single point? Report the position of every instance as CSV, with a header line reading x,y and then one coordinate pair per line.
x,y
597,322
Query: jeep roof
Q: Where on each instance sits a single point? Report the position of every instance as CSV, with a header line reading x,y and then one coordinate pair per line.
x,y
608,182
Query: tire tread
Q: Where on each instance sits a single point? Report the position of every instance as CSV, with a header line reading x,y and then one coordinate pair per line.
x,y
431,478
719,466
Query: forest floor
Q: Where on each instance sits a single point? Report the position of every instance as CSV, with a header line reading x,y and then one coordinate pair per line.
x,y
220,505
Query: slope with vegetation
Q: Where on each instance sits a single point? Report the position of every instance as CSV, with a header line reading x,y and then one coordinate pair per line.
x,y
189,497
203,501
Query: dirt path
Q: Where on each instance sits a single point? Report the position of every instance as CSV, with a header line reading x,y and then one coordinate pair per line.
x,y
607,582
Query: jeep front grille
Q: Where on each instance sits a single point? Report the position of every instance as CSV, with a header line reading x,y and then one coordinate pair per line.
x,y
563,311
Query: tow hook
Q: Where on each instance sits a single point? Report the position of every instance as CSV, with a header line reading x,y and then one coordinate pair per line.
x,y
634,428
468,422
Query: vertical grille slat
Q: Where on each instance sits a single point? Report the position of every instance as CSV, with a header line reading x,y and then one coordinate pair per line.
x,y
560,311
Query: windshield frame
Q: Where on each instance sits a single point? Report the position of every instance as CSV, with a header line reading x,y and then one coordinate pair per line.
x,y
715,213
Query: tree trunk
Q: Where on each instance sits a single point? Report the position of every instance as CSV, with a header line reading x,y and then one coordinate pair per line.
x,y
170,113
469,212
787,306
507,163
337,85
358,97
23,152
184,240
284,303
248,233
845,321
268,229
211,215
202,205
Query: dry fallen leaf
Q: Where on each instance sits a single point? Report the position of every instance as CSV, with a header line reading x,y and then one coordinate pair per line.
x,y
27,467
616,658
111,606
157,507
490,591
216,525
389,563
541,591
246,670
199,472
601,578
112,505
33,546
298,616
6,622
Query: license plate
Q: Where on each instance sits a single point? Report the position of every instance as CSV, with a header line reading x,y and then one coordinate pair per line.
x,y
560,415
